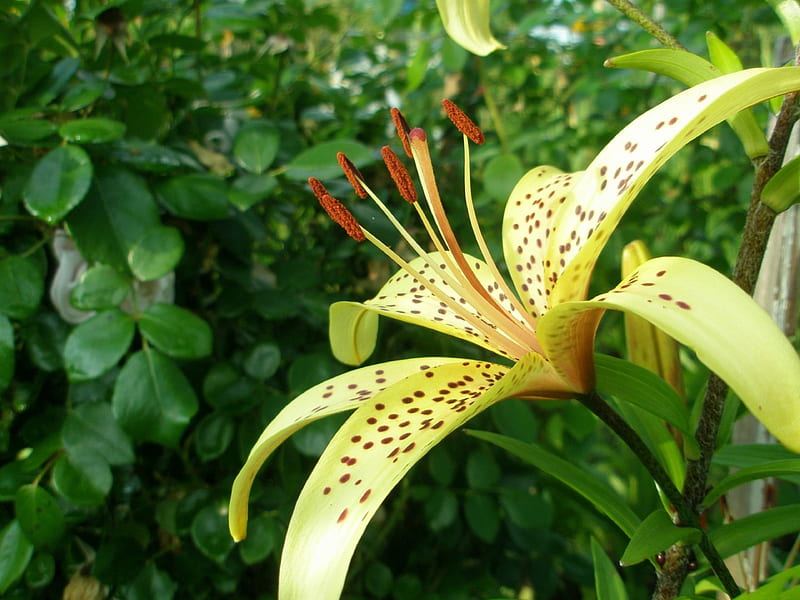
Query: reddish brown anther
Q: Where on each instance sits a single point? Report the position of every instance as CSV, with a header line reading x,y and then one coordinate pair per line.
x,y
317,187
343,217
463,122
352,173
399,174
402,127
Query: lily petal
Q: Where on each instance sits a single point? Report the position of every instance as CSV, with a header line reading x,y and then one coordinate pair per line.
x,y
467,23
528,222
405,299
622,168
344,392
707,312
373,450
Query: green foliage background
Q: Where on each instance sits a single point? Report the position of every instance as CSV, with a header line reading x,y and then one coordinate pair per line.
x,y
182,144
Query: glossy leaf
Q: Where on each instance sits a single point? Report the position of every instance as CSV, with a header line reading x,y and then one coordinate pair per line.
x,y
7,354
152,584
156,253
83,479
607,582
15,554
39,517
756,528
199,197
92,130
100,287
45,335
90,430
263,537
783,189
777,468
655,534
152,399
320,160
209,535
22,289
255,146
175,331
58,183
599,494
97,344
213,435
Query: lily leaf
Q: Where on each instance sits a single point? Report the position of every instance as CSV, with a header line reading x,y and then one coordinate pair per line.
x,y
657,532
777,468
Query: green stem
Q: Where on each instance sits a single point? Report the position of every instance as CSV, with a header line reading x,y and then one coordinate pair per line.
x,y
685,513
645,22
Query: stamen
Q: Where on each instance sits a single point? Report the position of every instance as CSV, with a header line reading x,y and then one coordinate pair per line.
x,y
317,187
352,173
399,174
402,127
464,124
341,216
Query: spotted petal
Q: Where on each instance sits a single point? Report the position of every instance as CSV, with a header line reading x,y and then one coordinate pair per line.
x,y
404,298
614,178
707,312
341,393
374,449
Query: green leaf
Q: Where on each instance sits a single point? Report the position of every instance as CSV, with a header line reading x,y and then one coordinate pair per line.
x,y
599,494
378,579
783,189
118,210
83,94
776,468
262,360
39,516
23,286
483,516
58,183
748,455
515,419
501,175
44,336
643,388
441,509
213,435
40,571
248,190
151,584
97,344
119,559
147,156
93,130
198,197
210,533
256,145
417,67
526,510
100,287
754,529
6,352
656,533
482,469
607,582
156,253
152,399
84,479
91,430
261,541
15,553
175,331
25,131
226,389
320,161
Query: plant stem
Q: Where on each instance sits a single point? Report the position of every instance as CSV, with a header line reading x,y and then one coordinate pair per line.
x,y
685,513
645,22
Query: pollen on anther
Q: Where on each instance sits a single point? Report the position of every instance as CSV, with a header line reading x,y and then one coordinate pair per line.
x,y
464,124
352,173
342,217
402,127
317,187
399,175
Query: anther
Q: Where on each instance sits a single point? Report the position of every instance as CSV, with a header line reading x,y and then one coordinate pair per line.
x,y
399,174
317,187
341,216
402,127
352,173
464,124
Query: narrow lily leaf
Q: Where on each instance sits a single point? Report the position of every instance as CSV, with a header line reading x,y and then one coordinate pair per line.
x,y
406,299
600,495
467,23
373,450
722,56
742,456
771,589
625,164
335,395
783,190
656,533
690,70
776,468
788,12
754,529
607,582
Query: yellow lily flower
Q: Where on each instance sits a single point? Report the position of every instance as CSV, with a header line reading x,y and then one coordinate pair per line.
x,y
555,226
467,23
